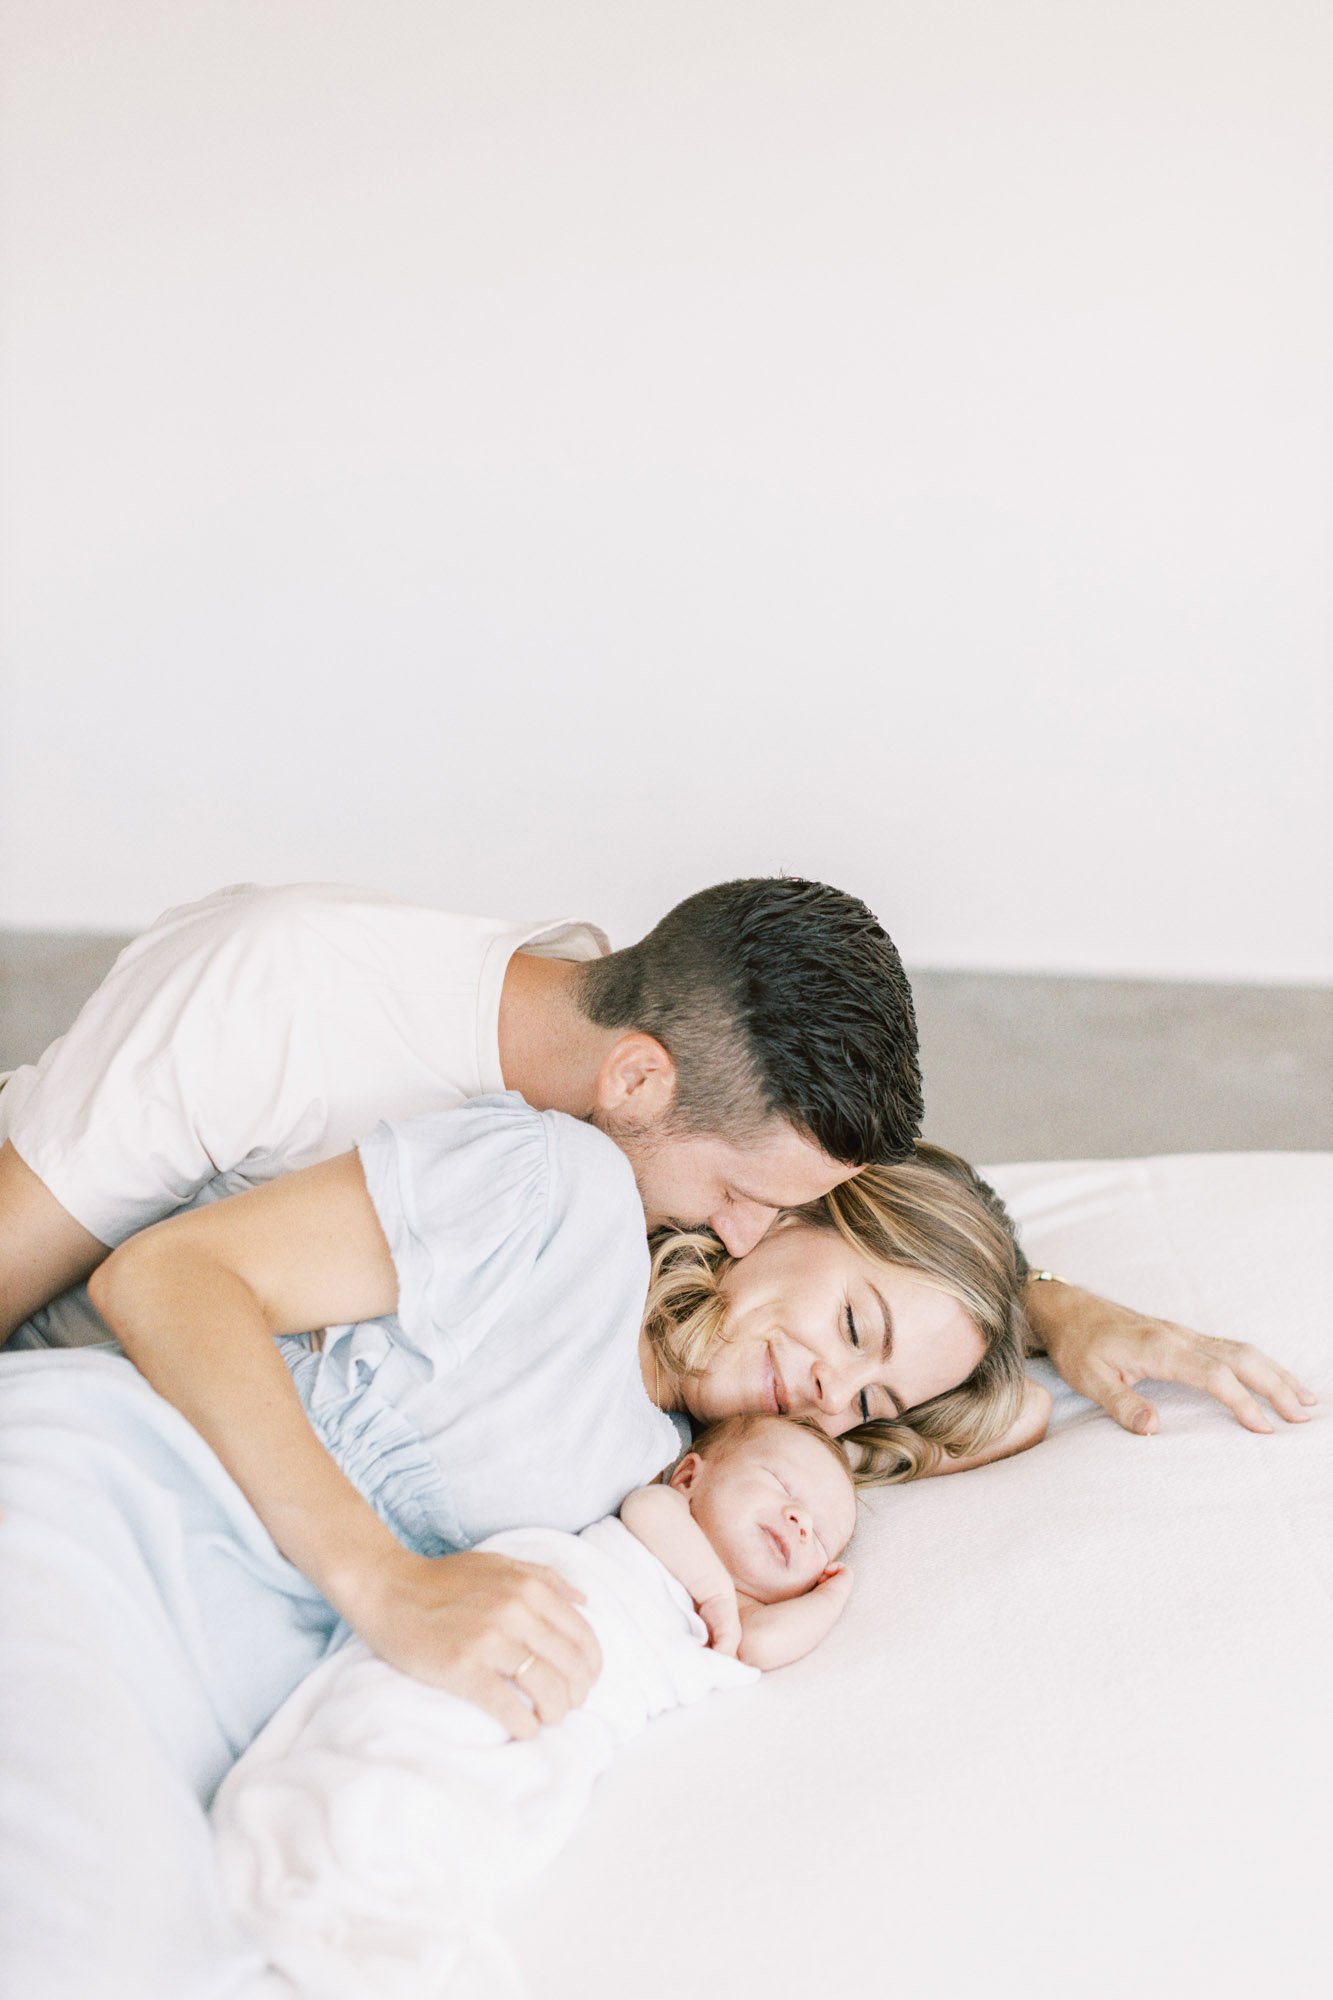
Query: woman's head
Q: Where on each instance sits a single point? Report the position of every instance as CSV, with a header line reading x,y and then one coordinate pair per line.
x,y
888,1311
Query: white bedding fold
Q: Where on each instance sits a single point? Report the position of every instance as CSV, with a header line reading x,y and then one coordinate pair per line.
x,y
367,1834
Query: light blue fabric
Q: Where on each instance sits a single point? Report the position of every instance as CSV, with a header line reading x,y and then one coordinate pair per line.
x,y
150,1626
506,1390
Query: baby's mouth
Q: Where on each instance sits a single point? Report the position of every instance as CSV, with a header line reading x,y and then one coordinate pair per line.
x,y
780,1548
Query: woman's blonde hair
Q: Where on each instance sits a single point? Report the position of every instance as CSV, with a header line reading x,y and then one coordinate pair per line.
x,y
928,1215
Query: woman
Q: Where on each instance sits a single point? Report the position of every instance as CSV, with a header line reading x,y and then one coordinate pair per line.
x,y
480,1276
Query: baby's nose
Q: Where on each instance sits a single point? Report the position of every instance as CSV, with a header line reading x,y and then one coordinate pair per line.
x,y
799,1521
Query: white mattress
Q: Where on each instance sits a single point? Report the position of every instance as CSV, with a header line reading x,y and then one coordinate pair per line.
x,y
1074,1736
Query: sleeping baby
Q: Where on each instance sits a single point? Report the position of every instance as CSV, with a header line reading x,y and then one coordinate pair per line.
x,y
366,1835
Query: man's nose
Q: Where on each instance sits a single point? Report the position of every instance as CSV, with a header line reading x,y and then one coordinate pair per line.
x,y
741,1224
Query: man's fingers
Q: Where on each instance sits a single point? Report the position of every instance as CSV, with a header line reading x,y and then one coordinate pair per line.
x,y
1289,1397
1130,1410
1236,1375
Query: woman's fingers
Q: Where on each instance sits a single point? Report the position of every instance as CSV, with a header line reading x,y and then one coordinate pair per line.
x,y
546,1688
502,1700
569,1660
498,1632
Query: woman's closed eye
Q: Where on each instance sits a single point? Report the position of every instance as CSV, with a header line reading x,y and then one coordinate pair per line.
x,y
862,1401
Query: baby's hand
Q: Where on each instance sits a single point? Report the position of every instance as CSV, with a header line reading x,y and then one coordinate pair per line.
x,y
835,1586
722,1618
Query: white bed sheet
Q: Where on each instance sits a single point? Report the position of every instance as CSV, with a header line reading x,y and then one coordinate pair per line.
x,y
1074,1736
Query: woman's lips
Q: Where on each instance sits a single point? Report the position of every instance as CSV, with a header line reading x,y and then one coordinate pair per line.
x,y
771,1403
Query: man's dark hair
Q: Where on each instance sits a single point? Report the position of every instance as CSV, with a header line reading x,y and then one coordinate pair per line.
x,y
774,997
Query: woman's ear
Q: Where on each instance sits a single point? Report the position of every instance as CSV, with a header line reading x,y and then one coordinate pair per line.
x,y
685,1475
636,1082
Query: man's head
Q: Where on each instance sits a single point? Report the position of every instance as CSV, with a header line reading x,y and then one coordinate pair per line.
x,y
765,1048
774,1496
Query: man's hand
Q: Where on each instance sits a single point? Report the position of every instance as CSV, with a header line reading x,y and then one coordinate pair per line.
x,y
1104,1350
470,1622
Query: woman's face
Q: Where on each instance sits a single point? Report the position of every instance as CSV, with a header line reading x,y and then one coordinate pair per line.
x,y
815,1329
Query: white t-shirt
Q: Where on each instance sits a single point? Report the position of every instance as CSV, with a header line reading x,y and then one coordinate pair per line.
x,y
261,1030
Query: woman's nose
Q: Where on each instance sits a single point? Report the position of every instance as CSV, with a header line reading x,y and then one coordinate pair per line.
x,y
837,1383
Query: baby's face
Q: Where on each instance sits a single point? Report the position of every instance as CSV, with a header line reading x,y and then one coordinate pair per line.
x,y
776,1505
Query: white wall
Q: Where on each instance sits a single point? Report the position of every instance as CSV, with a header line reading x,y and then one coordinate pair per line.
x,y
548,457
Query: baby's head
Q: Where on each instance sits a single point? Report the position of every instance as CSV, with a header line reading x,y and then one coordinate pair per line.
x,y
774,1496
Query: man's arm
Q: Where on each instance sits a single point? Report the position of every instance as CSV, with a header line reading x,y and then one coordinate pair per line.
x,y
773,1635
1027,1429
1104,1350
196,1303
45,1249
660,1518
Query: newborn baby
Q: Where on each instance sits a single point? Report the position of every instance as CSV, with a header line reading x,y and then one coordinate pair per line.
x,y
751,1522
366,1834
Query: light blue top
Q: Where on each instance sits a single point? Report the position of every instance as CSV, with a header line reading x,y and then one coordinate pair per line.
x,y
506,1390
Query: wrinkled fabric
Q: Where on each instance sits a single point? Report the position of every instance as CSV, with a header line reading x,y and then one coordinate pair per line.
x,y
367,1836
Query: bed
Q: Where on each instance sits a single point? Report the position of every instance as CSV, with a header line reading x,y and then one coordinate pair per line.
x,y
1074,1736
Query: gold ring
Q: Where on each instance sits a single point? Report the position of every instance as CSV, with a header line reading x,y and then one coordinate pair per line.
x,y
523,1666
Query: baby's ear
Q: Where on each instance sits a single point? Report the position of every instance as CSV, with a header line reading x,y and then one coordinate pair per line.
x,y
685,1476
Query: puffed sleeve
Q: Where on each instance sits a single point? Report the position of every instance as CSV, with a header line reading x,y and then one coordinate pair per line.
x,y
462,1196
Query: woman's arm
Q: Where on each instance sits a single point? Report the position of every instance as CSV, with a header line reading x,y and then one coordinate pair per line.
x,y
196,1302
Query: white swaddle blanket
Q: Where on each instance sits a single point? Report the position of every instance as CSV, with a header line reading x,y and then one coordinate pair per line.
x,y
366,1834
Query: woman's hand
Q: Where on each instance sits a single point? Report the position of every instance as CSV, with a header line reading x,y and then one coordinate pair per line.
x,y
472,1623
1104,1350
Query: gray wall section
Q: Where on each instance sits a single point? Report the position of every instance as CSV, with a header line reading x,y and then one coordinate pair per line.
x,y
1016,1067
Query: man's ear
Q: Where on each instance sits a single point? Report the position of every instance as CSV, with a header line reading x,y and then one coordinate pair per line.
x,y
685,1475
636,1081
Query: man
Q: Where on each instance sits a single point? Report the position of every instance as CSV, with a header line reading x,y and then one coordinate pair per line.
x,y
754,1050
